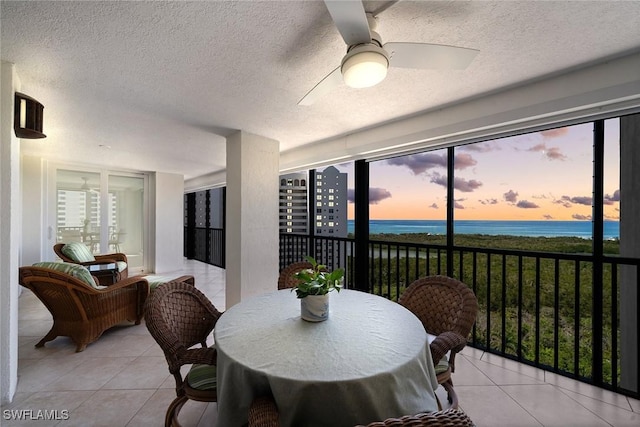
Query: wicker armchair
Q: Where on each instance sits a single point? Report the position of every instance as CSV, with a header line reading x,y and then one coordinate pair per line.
x,y
287,280
264,413
116,258
81,311
447,308
178,317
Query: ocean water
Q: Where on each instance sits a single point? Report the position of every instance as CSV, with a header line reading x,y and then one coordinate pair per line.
x,y
581,229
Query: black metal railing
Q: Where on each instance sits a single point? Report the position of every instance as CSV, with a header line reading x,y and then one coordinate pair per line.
x,y
539,308
208,245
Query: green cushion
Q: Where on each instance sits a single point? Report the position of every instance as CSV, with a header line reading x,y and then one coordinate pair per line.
x,y
156,280
75,270
79,252
121,266
443,364
203,377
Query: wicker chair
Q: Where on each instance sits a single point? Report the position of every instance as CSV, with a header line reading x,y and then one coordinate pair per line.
x,y
99,259
287,279
80,311
447,308
264,413
179,317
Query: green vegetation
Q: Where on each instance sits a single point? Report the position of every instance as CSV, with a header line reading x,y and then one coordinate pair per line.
x,y
519,288
574,245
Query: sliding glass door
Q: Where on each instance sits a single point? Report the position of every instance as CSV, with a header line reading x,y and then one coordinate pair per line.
x,y
104,210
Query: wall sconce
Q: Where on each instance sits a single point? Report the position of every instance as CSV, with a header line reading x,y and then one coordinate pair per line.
x,y
27,120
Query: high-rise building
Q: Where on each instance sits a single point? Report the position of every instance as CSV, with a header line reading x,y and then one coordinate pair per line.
x,y
330,214
293,203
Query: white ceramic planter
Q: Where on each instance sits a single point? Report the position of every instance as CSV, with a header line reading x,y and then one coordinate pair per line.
x,y
314,308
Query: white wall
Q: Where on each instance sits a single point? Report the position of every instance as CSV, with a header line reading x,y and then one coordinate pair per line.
x,y
168,226
10,214
32,192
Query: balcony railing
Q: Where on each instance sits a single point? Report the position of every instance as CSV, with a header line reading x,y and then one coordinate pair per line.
x,y
208,245
555,311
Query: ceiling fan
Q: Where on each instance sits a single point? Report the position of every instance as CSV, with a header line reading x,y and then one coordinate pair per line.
x,y
368,59
85,186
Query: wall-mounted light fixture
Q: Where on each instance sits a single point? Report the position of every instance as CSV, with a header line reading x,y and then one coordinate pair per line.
x,y
27,120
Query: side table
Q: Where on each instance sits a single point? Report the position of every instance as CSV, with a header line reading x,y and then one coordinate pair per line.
x,y
107,274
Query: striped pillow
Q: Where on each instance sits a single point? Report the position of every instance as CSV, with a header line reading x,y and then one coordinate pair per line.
x,y
75,270
156,280
443,364
203,377
79,252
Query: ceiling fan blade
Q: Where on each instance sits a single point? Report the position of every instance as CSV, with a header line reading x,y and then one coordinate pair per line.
x,y
429,56
326,85
350,19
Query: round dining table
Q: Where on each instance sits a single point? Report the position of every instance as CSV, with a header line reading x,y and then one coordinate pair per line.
x,y
367,362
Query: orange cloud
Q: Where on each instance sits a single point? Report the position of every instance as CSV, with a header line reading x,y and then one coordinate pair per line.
x,y
554,133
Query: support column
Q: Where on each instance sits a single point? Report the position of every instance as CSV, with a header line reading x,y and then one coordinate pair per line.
x,y
10,226
252,249
629,247
168,228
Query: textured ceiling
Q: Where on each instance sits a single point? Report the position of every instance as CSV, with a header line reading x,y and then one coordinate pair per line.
x,y
162,83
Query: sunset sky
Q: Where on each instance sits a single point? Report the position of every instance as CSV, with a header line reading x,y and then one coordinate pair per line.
x,y
536,176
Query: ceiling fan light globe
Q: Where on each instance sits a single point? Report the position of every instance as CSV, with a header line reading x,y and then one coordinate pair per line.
x,y
364,68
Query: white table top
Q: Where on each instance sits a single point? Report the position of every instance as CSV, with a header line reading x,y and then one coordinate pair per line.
x,y
369,361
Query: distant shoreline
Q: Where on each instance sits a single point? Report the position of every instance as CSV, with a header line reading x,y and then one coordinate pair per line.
x,y
523,228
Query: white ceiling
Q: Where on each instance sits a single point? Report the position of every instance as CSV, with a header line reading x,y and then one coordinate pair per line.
x,y
162,83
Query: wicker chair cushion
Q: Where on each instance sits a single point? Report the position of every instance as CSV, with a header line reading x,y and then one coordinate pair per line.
x,y
75,270
121,266
203,377
79,252
443,364
156,280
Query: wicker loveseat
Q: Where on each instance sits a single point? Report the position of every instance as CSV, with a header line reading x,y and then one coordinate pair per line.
x,y
81,309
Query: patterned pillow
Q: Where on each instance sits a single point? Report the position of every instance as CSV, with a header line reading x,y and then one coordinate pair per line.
x,y
75,270
79,252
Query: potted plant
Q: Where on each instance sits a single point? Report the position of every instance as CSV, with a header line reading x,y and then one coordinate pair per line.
x,y
314,285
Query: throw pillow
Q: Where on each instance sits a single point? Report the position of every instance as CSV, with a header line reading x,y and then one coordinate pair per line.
x,y
79,252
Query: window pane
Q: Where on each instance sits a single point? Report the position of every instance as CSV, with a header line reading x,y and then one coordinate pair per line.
x,y
78,208
126,221
408,195
536,184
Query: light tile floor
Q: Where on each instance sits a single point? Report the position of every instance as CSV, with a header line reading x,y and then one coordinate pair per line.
x,y
122,380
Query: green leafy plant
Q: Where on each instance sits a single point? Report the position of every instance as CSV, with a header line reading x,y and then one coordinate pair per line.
x,y
317,280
